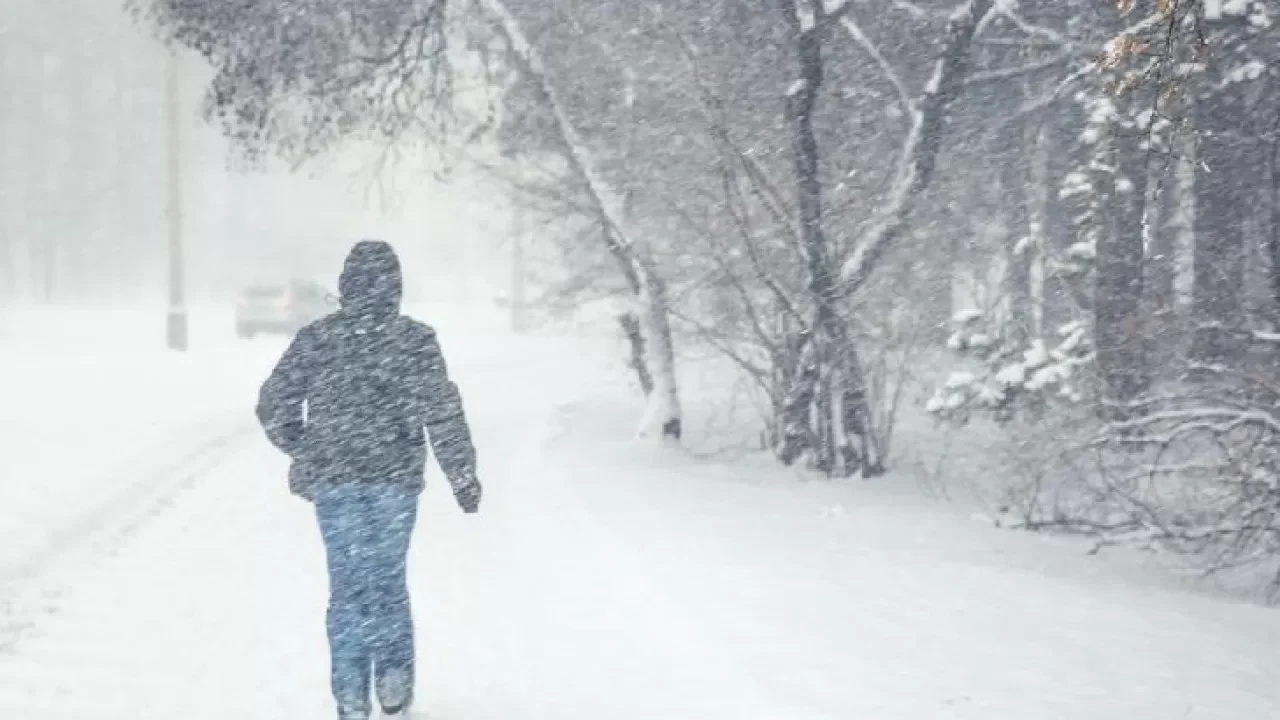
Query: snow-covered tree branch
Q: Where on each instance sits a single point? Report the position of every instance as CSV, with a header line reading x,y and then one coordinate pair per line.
x,y
920,148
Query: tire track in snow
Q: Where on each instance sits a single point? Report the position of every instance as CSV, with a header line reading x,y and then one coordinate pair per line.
x,y
213,608
149,481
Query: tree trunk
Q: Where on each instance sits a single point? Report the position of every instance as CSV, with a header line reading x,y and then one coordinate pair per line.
x,y
82,145
832,383
634,335
1162,256
663,417
635,323
11,129
1273,233
1039,192
663,414
856,422
1222,165
934,273
45,236
1183,219
795,427
1058,292
800,100
113,252
1015,180
1120,172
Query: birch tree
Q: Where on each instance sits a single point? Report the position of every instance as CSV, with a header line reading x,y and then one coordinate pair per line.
x,y
662,417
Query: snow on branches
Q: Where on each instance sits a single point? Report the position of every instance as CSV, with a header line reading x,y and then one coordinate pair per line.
x,y
299,78
1010,380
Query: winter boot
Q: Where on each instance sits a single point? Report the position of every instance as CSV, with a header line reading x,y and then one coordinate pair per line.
x,y
353,711
395,692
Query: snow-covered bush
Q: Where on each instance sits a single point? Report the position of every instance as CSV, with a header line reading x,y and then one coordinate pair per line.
x,y
1194,476
1009,380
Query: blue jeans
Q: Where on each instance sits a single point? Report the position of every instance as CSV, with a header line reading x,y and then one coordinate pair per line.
x,y
366,530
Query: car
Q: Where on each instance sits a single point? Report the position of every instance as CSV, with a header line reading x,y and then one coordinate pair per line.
x,y
281,308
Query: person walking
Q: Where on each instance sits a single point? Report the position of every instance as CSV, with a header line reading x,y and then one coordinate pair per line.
x,y
353,402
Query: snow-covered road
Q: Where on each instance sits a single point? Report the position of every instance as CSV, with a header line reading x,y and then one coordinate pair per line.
x,y
599,582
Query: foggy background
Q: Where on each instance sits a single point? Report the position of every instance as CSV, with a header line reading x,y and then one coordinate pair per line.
x,y
84,183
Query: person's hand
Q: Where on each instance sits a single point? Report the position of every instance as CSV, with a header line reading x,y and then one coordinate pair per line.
x,y
468,494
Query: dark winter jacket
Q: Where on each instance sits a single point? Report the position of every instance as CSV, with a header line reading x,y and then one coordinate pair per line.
x,y
354,392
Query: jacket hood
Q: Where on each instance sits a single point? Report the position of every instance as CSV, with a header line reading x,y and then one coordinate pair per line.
x,y
371,284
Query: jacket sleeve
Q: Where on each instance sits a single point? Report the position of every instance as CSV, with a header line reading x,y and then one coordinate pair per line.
x,y
445,421
282,398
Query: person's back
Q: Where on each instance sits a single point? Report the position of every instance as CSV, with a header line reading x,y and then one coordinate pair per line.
x,y
370,401
353,402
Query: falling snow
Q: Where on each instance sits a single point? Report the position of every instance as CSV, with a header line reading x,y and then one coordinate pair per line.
x,y
821,360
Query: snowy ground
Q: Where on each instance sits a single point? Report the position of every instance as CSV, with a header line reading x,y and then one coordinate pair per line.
x,y
153,566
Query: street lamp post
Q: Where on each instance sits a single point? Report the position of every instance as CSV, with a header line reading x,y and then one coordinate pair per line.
x,y
176,315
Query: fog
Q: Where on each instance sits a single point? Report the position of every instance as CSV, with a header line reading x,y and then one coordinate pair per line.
x,y
85,183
